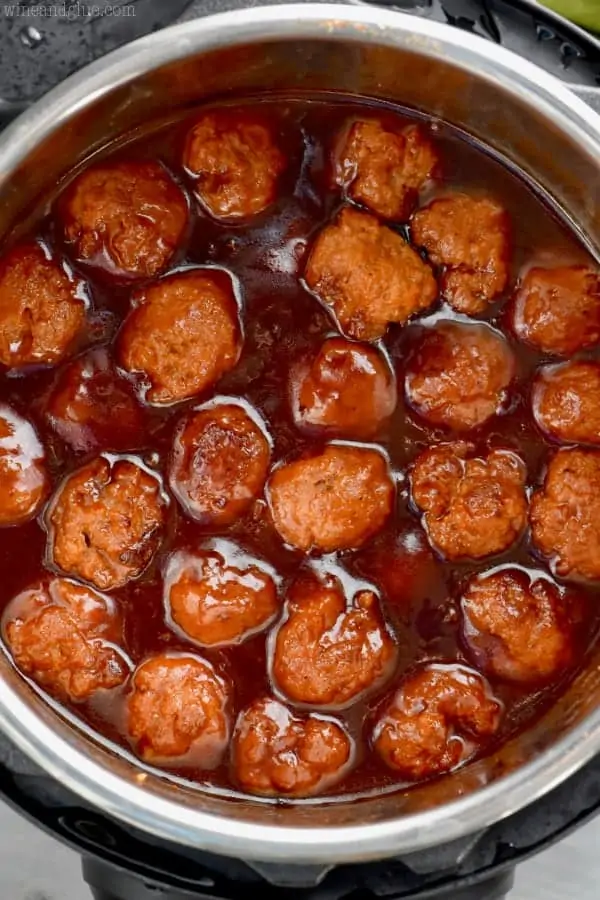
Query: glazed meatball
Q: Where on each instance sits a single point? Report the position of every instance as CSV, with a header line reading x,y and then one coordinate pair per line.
x,y
331,649
347,389
219,462
64,636
235,163
437,721
368,275
384,169
565,514
458,375
219,595
469,236
92,408
105,522
516,626
41,308
566,402
558,310
277,753
472,507
126,218
24,480
183,335
334,501
178,711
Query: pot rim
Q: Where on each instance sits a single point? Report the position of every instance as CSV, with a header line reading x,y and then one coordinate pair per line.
x,y
124,799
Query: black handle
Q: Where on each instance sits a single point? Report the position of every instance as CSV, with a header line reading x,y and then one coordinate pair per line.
x,y
497,887
112,883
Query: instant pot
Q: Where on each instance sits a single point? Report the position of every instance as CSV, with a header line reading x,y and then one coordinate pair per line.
x,y
140,835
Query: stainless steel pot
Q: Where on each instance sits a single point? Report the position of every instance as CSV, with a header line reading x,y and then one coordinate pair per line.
x,y
535,123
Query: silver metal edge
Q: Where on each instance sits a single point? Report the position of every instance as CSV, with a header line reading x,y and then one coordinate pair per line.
x,y
131,803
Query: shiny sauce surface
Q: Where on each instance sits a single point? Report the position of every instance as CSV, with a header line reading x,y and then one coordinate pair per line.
x,y
283,322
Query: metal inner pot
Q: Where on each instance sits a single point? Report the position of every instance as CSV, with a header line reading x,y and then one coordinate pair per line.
x,y
532,121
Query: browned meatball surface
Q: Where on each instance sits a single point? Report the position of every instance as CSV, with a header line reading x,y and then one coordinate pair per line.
x,y
472,507
384,169
368,275
183,335
235,162
106,521
458,375
277,753
219,595
24,482
516,626
127,218
331,648
65,637
566,402
334,501
178,711
347,389
565,514
438,720
558,310
42,309
469,236
89,398
219,462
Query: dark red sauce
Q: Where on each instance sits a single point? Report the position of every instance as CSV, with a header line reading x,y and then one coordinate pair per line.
x,y
282,321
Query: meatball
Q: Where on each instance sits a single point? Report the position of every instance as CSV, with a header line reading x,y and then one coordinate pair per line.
x,y
219,595
565,514
127,218
472,507
368,274
330,649
235,163
558,310
93,408
469,236
385,170
348,389
24,481
219,462
183,335
277,753
334,501
41,308
65,637
436,721
458,375
566,402
517,626
105,522
178,711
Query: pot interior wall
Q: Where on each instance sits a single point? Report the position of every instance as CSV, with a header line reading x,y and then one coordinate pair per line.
x,y
413,76
529,139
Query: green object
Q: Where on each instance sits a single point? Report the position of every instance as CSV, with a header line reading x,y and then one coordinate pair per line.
x,y
584,12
